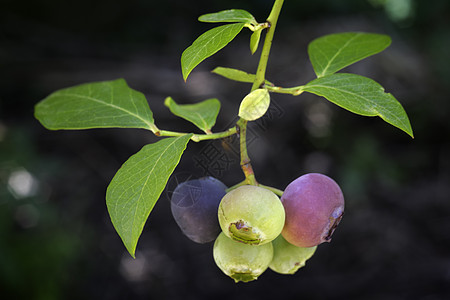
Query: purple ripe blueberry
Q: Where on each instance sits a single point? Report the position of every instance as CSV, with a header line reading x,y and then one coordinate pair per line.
x,y
194,205
240,261
251,215
314,205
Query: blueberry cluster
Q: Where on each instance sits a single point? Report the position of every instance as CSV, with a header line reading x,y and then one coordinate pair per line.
x,y
253,229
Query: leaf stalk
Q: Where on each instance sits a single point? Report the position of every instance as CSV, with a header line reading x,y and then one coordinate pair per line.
x,y
199,137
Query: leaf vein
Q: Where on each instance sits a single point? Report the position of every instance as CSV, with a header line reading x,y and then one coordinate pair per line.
x,y
113,106
337,53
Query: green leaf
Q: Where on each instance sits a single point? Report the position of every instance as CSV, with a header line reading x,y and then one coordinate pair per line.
x,y
236,75
202,114
361,95
254,40
138,184
231,15
331,53
95,105
208,44
254,105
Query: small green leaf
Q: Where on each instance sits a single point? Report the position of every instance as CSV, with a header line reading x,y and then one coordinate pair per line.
x,y
231,15
208,44
254,105
95,105
254,40
202,114
361,95
333,52
138,184
236,75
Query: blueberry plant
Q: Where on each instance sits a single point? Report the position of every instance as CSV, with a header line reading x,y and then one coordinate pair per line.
x,y
252,227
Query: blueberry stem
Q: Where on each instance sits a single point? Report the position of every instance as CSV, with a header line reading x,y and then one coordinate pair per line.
x,y
274,190
260,79
246,166
236,186
262,66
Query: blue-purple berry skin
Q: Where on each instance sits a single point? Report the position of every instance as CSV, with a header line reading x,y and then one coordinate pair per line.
x,y
194,205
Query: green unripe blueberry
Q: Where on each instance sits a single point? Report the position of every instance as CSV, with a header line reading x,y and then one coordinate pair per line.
x,y
251,215
287,258
240,261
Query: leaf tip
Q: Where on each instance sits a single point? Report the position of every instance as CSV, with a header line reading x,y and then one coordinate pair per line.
x,y
185,69
130,246
185,75
407,129
410,133
133,254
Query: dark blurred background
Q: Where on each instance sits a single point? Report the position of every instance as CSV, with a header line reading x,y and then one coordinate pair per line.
x,y
56,239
